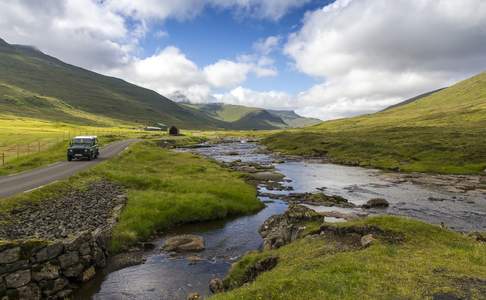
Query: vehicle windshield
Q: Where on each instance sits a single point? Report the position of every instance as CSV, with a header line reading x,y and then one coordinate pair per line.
x,y
82,142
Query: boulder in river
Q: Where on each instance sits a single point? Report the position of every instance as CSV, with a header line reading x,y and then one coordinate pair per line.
x,y
283,229
184,243
376,203
267,176
216,285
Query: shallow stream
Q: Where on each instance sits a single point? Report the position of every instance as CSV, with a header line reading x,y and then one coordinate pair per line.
x,y
163,277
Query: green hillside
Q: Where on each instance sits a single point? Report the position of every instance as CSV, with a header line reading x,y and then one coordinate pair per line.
x,y
248,118
444,132
33,84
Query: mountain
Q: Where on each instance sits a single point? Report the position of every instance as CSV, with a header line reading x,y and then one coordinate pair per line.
x,y
248,118
443,132
36,85
294,120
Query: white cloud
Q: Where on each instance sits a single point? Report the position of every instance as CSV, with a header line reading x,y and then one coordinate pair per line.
x,y
77,31
184,9
167,72
248,97
156,9
373,53
268,9
225,73
267,45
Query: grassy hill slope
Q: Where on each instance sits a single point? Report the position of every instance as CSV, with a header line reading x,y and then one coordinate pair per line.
x,y
35,84
444,132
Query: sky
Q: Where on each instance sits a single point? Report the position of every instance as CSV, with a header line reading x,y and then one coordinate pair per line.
x,y
323,58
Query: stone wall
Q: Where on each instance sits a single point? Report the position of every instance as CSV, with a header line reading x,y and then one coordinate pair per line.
x,y
42,269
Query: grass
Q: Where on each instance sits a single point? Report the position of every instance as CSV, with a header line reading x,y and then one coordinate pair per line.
x,y
164,189
441,133
20,139
429,261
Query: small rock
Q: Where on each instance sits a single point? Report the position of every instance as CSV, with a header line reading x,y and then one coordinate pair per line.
x,y
49,252
216,286
18,279
68,259
376,203
30,292
184,243
194,259
194,296
64,294
436,199
88,274
367,240
10,255
47,271
74,271
18,265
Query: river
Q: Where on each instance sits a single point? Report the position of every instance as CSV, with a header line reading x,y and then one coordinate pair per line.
x,y
164,277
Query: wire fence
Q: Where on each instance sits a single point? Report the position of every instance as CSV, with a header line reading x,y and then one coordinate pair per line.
x,y
9,152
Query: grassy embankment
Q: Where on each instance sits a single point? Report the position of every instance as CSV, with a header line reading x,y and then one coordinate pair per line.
x,y
164,189
429,261
442,133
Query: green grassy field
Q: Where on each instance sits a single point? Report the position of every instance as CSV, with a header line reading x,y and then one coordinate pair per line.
x,y
167,189
27,143
427,262
441,133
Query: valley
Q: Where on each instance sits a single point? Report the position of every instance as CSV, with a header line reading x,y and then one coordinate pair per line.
x,y
243,203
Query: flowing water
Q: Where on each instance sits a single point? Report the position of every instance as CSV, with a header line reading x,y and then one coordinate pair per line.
x,y
163,277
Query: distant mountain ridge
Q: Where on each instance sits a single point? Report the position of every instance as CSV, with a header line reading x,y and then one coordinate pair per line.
x,y
243,117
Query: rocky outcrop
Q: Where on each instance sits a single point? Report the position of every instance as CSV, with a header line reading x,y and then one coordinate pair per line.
x,y
376,203
184,243
43,264
283,229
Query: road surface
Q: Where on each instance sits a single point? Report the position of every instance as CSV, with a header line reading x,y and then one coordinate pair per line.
x,y
14,184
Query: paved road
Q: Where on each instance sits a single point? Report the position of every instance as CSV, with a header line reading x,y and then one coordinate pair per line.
x,y
14,184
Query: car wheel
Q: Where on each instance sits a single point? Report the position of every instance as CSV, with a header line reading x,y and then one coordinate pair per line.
x,y
90,156
69,158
